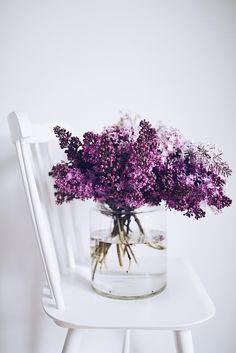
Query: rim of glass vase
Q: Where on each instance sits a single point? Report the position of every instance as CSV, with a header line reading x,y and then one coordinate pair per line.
x,y
103,207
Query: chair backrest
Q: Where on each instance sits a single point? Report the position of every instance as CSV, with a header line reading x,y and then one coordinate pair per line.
x,y
55,226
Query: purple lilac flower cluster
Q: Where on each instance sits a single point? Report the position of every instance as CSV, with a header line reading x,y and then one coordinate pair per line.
x,y
127,167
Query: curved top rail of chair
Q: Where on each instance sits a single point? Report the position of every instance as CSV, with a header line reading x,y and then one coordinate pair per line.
x,y
22,128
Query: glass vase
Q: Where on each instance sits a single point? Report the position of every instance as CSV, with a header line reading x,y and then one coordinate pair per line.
x,y
128,251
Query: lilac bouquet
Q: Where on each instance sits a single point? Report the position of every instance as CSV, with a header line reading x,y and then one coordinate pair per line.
x,y
126,167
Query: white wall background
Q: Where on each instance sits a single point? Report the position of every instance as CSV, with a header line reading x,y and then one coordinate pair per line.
x,y
83,61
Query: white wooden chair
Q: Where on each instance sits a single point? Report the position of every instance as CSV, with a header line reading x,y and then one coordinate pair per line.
x,y
68,297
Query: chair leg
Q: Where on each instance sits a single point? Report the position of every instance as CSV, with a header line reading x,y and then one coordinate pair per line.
x,y
183,341
126,342
72,341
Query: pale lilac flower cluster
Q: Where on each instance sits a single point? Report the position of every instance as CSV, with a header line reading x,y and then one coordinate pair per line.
x,y
126,168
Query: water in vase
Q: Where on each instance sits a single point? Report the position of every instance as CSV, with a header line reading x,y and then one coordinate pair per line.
x,y
128,270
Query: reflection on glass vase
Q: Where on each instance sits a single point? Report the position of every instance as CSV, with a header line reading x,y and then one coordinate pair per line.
x,y
128,251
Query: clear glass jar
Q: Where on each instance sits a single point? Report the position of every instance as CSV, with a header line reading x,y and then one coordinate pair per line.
x,y
128,251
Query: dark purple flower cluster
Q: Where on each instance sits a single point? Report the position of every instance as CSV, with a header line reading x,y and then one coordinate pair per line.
x,y
126,168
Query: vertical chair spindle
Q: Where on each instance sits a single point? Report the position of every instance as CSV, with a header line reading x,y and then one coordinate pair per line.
x,y
45,241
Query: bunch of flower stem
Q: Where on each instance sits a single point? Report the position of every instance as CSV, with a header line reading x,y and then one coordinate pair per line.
x,y
121,230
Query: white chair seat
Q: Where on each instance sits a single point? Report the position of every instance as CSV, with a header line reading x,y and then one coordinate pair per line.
x,y
183,304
